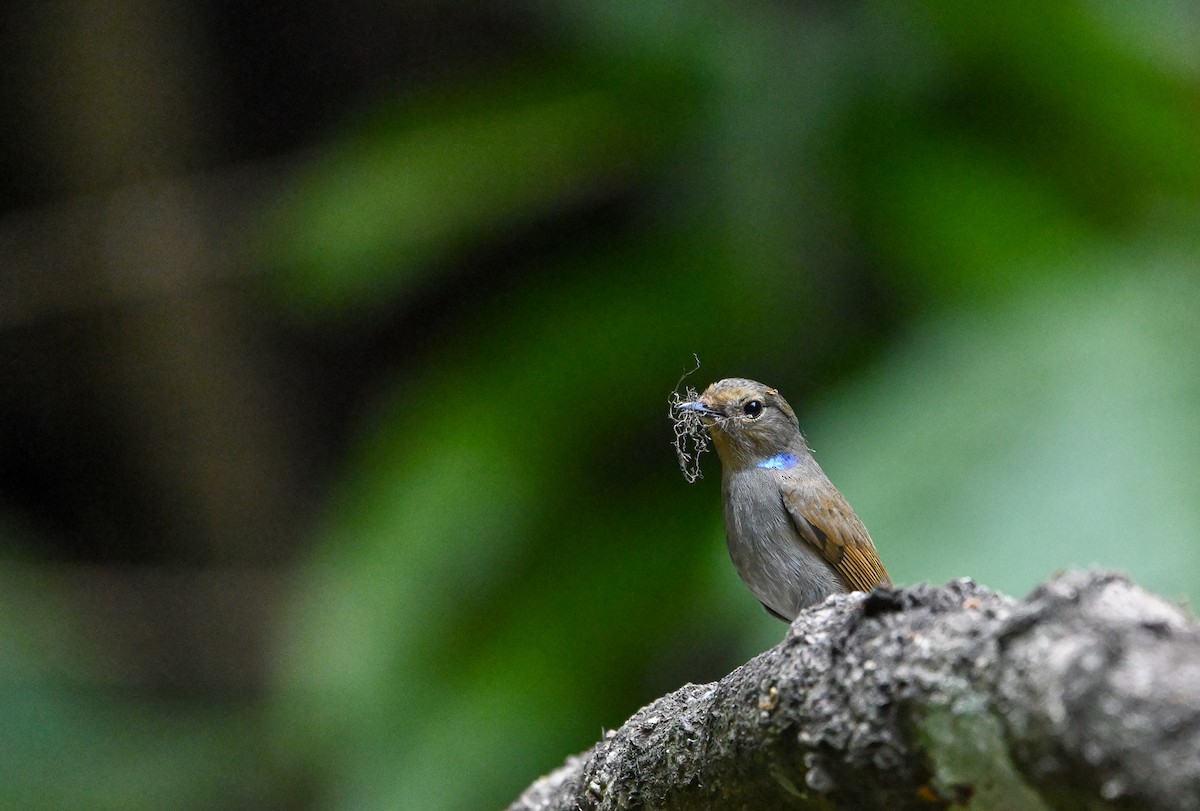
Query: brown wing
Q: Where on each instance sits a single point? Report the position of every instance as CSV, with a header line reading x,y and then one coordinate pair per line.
x,y
824,519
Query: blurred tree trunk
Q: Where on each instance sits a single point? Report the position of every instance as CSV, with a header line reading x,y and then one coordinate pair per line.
x,y
153,414
1086,695
174,450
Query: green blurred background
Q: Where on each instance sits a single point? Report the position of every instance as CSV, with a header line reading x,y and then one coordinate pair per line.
x,y
335,469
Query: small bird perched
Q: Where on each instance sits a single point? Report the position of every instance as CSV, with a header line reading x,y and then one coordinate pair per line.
x,y
791,534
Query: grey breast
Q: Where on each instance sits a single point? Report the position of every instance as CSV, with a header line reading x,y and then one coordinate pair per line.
x,y
783,570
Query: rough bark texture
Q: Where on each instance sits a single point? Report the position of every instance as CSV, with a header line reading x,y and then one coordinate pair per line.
x,y
1086,695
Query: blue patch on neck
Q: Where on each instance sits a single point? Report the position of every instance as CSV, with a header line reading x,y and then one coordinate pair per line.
x,y
780,461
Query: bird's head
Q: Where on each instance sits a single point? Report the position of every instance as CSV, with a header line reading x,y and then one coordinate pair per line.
x,y
749,422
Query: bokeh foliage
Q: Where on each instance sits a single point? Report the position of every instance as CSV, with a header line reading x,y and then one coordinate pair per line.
x,y
963,241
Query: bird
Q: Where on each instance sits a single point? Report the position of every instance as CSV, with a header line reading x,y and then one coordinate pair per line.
x,y
792,536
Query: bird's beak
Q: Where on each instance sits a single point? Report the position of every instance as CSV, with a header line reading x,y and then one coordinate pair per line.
x,y
699,407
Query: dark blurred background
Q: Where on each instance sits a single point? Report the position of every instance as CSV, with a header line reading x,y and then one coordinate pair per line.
x,y
336,341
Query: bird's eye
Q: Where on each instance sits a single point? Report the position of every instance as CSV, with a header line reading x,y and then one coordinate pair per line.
x,y
752,409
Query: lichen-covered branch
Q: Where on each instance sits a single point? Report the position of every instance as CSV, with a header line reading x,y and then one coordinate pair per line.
x,y
1086,695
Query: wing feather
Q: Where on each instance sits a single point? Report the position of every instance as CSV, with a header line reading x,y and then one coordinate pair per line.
x,y
824,519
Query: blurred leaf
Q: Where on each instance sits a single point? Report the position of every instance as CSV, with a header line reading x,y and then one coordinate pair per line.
x,y
1054,431
379,208
1104,108
1026,138
72,742
963,222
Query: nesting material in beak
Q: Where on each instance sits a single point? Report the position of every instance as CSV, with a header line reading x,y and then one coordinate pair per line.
x,y
691,434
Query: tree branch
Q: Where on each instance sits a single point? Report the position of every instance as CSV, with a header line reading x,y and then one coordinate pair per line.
x,y
1086,695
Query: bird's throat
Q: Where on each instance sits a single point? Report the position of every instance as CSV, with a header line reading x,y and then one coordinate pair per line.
x,y
780,461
